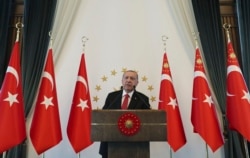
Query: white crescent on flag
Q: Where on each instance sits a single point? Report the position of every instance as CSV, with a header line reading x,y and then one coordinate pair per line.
x,y
200,74
49,77
14,72
232,68
230,95
82,79
166,77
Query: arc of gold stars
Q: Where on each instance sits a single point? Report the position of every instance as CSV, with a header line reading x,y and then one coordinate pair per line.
x,y
104,78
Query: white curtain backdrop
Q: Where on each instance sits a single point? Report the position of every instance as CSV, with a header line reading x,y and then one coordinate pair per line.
x,y
125,35
65,13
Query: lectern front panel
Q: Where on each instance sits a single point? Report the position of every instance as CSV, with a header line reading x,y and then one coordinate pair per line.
x,y
105,126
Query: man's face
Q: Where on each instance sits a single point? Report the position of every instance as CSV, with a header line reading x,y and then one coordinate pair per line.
x,y
129,81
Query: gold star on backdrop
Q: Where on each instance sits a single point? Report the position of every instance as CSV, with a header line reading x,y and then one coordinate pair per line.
x,y
152,98
113,72
144,78
98,87
95,98
115,89
104,78
124,69
150,88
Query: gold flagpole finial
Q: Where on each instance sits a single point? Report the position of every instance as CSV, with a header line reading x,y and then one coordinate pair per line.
x,y
227,26
195,35
19,25
164,39
84,40
50,40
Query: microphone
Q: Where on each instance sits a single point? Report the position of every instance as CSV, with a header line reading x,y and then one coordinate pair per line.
x,y
112,103
143,100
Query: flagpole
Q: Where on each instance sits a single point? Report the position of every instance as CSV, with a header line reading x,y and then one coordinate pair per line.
x,y
246,148
170,151
79,155
4,154
207,151
164,39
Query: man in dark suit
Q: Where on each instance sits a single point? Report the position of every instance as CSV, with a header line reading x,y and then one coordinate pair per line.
x,y
114,100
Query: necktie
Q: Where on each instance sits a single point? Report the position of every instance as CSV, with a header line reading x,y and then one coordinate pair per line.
x,y
125,102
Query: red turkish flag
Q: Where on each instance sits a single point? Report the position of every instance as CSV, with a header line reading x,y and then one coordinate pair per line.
x,y
78,129
12,119
238,98
168,102
45,130
203,116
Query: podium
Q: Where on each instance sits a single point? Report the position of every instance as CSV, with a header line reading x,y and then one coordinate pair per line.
x,y
128,132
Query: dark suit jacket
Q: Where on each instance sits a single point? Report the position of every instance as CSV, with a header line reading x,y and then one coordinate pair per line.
x,y
138,101
114,101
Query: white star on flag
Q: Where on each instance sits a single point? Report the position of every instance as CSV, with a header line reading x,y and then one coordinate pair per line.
x,y
83,104
246,96
47,102
208,100
12,98
172,102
